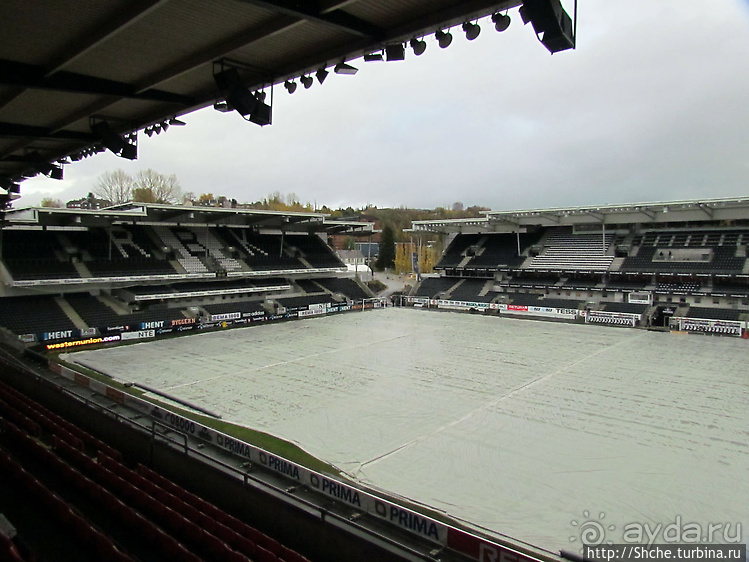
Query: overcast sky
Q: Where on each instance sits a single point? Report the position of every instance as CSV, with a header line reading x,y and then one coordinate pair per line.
x,y
652,106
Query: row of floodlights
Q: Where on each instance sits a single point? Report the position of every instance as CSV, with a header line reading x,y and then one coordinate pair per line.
x,y
163,126
125,145
397,51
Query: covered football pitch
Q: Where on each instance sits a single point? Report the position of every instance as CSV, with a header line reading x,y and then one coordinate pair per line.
x,y
528,429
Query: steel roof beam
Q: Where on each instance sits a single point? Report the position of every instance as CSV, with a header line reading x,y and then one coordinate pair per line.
x,y
28,131
101,32
310,11
217,51
14,73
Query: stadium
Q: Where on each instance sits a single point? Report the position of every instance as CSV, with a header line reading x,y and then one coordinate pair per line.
x,y
205,383
155,276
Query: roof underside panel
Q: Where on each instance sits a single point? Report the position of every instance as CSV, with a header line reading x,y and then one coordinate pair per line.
x,y
391,13
129,55
29,108
60,24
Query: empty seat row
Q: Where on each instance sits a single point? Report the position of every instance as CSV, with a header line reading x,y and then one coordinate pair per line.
x,y
432,286
220,516
713,313
625,307
345,286
87,535
53,423
138,506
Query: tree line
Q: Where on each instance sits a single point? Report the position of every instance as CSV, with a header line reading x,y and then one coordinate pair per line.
x,y
147,186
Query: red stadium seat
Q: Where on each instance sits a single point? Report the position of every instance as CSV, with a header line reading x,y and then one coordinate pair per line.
x,y
264,555
271,545
288,555
8,550
205,522
234,556
213,547
246,546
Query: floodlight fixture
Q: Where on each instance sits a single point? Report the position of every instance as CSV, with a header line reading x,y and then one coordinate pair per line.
x,y
321,74
344,68
373,57
148,131
157,128
290,86
6,183
418,46
56,173
221,106
165,126
130,152
237,96
38,163
501,21
177,122
395,52
306,81
444,38
471,30
552,24
109,138
262,114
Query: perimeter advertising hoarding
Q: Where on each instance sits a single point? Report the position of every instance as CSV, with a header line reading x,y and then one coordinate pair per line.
x,y
225,316
523,310
618,318
461,305
80,343
725,327
139,335
568,313
479,549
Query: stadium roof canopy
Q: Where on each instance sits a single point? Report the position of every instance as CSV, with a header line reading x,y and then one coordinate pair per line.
x,y
664,212
151,213
76,77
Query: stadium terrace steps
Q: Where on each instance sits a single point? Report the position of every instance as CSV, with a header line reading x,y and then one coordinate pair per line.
x,y
314,251
28,315
345,286
472,290
82,256
71,313
433,287
713,313
487,251
203,239
186,258
455,252
624,307
465,261
565,250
